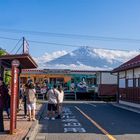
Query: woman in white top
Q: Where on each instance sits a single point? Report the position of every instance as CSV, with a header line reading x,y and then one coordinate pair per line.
x,y
31,101
60,98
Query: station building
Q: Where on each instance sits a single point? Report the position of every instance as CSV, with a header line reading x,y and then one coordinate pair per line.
x,y
102,83
129,82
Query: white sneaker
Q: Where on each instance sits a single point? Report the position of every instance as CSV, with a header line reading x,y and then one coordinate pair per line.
x,y
53,118
63,117
46,118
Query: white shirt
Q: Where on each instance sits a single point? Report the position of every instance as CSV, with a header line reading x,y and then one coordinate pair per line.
x,y
52,96
61,96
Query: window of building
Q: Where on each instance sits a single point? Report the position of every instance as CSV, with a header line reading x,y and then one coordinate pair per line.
x,y
60,80
122,83
136,82
130,83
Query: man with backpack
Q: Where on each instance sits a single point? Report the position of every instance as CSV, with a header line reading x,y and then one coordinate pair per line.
x,y
52,97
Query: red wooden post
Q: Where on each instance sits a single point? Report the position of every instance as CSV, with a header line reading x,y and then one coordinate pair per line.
x,y
14,94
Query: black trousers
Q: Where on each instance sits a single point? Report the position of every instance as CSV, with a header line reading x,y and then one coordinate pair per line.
x,y
7,111
1,121
25,106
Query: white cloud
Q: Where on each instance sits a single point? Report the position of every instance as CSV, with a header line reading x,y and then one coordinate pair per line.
x,y
49,56
76,67
111,55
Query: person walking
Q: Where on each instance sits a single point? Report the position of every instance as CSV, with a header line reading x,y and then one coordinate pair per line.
x,y
25,100
52,97
3,98
31,101
7,102
60,98
21,96
7,106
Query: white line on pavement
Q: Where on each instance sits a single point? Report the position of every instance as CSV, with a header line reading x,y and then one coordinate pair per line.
x,y
96,124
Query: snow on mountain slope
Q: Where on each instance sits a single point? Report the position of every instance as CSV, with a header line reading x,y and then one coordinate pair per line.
x,y
91,59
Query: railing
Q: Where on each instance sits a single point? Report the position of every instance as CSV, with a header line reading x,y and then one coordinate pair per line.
x,y
70,94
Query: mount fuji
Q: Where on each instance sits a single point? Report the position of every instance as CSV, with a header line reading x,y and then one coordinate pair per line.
x,y
88,58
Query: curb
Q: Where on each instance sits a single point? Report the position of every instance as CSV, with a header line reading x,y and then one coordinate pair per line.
x,y
126,108
32,131
34,128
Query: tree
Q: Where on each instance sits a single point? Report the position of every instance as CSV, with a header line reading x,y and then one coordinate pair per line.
x,y
7,76
2,52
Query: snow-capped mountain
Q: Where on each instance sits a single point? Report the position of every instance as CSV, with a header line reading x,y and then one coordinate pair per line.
x,y
91,58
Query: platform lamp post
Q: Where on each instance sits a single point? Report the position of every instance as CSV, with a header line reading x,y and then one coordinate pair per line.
x,y
14,94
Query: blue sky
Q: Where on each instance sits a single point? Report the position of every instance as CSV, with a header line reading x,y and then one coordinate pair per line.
x,y
108,18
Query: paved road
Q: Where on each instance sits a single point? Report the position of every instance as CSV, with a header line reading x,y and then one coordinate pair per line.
x,y
91,121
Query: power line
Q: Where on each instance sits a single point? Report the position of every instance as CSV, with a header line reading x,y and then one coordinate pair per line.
x,y
70,45
51,43
15,45
42,42
15,39
64,35
8,38
59,44
18,49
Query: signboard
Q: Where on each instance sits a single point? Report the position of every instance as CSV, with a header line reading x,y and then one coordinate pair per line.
x,y
15,63
57,71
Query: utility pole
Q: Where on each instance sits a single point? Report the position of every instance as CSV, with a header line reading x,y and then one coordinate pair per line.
x,y
23,45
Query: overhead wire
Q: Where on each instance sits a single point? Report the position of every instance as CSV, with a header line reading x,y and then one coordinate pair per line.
x,y
52,43
8,38
59,44
68,36
64,35
19,48
16,45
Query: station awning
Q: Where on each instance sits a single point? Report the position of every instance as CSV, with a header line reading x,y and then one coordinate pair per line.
x,y
26,61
